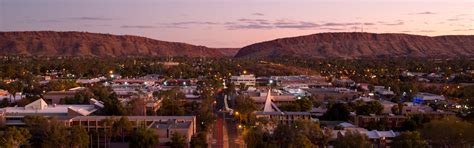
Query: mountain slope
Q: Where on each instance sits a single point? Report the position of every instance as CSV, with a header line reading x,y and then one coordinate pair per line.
x,y
49,43
355,45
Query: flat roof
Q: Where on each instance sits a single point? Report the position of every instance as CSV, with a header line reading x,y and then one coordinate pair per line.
x,y
51,109
135,117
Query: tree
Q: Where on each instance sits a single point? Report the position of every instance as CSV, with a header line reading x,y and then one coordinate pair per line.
x,y
170,107
32,123
414,122
122,127
372,107
79,138
112,106
448,132
304,104
13,88
397,109
171,103
409,140
15,137
47,132
337,112
199,141
4,103
144,138
56,134
245,106
177,140
352,139
255,137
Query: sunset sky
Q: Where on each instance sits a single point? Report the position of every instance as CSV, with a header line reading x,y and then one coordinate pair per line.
x,y
236,23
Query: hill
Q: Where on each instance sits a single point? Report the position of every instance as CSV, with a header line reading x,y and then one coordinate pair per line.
x,y
49,43
357,45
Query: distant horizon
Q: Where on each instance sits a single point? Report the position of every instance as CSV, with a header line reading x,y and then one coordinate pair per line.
x,y
231,24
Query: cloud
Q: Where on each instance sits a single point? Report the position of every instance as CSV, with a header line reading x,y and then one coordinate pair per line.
x,y
194,23
393,24
138,26
258,14
463,30
41,21
247,23
296,25
332,29
423,13
248,26
86,18
188,24
426,31
252,23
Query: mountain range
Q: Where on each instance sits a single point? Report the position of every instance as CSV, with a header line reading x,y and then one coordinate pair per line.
x,y
358,45
49,43
322,45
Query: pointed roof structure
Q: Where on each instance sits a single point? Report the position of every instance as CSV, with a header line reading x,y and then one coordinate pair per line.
x,y
39,104
268,102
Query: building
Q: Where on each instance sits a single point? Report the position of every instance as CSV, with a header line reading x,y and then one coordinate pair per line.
x,y
423,98
333,92
15,115
377,138
164,126
391,121
277,98
247,80
274,114
55,97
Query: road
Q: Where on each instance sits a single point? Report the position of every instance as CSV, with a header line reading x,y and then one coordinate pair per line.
x,y
224,133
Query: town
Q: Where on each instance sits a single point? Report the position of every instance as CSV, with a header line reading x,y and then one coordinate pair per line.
x,y
236,102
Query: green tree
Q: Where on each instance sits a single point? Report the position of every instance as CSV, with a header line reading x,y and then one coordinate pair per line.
x,y
13,88
144,138
15,137
304,104
448,132
177,140
245,106
337,112
122,127
255,137
79,138
352,139
199,141
56,134
409,140
372,107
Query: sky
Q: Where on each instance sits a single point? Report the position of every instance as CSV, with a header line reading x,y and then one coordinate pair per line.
x,y
237,23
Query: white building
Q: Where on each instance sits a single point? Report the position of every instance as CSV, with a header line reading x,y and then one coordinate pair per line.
x,y
248,80
15,115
